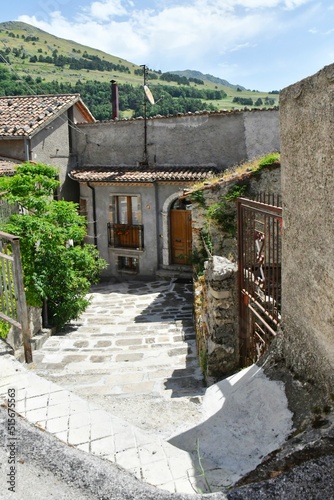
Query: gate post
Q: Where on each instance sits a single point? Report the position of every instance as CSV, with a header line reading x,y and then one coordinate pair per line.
x,y
244,331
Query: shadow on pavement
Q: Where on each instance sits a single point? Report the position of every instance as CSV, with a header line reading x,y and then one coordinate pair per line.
x,y
246,417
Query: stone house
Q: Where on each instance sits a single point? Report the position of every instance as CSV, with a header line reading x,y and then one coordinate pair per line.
x,y
39,128
133,172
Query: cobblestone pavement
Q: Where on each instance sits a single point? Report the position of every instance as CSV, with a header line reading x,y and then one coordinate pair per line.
x,y
134,353
121,380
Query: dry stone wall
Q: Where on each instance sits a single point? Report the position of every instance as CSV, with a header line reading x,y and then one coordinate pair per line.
x,y
216,291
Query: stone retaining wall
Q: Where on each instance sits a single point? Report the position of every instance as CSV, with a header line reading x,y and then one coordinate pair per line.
x,y
216,292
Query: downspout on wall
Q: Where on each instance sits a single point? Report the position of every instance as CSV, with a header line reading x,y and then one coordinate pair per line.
x,y
157,211
27,155
94,213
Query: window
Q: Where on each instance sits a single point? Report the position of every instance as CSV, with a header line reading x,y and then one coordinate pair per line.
x,y
83,207
125,228
128,264
83,210
127,210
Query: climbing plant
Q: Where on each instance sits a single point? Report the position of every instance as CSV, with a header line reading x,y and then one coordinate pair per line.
x,y
223,213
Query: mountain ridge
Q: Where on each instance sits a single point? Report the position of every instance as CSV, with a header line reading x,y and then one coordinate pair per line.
x,y
190,73
30,29
44,63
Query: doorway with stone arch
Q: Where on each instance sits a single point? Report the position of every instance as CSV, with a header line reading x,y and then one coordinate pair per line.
x,y
180,230
177,231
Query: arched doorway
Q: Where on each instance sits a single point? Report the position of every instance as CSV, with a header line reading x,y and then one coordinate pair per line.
x,y
180,232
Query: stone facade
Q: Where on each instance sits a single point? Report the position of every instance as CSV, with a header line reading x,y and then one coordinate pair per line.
x,y
39,128
307,152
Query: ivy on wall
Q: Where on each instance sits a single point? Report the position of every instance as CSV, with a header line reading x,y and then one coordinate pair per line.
x,y
223,213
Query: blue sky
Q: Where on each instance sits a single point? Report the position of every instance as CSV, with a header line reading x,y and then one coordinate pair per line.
x,y
260,44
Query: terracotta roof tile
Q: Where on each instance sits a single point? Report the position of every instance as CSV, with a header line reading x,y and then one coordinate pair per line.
x,y
141,174
228,112
22,115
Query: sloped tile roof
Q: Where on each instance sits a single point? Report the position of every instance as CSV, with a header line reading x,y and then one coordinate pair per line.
x,y
23,115
141,174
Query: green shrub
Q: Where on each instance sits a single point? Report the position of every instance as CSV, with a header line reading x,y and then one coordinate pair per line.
x,y
58,268
223,213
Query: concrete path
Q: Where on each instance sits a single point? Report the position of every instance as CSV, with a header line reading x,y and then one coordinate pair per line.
x,y
124,380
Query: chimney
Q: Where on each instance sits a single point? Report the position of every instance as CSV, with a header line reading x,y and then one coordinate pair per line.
x,y
114,100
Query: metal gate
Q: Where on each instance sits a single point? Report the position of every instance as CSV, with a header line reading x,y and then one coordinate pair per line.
x,y
13,307
259,269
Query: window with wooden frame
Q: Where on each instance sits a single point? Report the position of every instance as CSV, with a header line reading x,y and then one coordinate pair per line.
x,y
128,264
83,210
125,228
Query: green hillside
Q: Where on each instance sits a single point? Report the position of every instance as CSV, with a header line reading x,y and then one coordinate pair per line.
x,y
36,57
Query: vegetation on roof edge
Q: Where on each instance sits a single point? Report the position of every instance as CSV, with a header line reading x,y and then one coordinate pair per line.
x,y
237,171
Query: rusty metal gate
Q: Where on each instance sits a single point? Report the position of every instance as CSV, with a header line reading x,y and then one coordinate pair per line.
x,y
13,307
259,269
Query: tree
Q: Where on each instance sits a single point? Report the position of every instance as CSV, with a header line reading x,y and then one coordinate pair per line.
x,y
58,267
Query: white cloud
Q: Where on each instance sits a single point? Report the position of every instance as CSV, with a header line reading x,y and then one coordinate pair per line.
x,y
293,4
114,38
253,4
106,9
181,34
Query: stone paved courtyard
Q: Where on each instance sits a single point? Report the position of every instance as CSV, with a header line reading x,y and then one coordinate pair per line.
x,y
133,352
123,383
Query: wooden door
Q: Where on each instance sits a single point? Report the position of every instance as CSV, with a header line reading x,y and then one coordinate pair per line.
x,y
180,236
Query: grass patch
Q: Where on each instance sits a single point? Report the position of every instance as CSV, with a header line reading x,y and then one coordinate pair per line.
x,y
4,329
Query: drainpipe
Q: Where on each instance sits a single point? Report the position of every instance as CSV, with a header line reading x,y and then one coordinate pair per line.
x,y
94,213
26,149
114,100
157,221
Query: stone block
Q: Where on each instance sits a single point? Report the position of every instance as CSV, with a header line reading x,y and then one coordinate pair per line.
x,y
219,294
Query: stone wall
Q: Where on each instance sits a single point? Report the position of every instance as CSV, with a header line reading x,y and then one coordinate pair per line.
x,y
14,337
266,180
216,292
307,127
218,344
219,139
